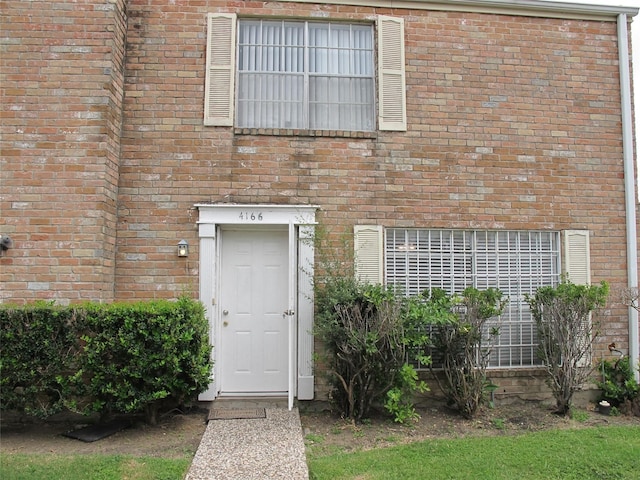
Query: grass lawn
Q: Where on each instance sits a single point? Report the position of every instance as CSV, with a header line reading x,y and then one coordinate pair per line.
x,y
587,453
90,467
591,453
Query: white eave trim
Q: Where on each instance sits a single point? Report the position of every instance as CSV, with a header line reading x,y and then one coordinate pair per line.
x,y
531,8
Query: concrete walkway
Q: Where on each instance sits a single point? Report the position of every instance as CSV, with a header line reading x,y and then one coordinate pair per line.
x,y
251,449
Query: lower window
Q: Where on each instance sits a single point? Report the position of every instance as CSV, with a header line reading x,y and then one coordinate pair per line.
x,y
515,262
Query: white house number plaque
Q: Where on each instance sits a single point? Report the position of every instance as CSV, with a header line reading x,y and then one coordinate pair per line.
x,y
251,216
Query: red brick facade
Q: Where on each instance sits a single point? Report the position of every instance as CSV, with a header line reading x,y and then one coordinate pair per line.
x,y
514,122
62,89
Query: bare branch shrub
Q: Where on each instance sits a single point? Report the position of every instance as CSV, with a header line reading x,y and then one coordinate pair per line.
x,y
362,329
465,340
567,328
631,298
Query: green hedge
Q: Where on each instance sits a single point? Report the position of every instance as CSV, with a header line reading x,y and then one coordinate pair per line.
x,y
39,350
117,358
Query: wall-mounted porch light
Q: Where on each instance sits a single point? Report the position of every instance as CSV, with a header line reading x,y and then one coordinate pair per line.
x,y
5,243
183,248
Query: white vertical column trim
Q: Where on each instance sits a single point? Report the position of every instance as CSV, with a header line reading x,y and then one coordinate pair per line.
x,y
207,268
306,258
291,311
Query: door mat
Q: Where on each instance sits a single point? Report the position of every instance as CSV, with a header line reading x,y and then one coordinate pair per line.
x,y
236,413
97,432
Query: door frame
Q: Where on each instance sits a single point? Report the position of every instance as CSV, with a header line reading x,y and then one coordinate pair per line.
x,y
300,219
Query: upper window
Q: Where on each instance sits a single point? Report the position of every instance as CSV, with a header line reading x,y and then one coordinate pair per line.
x,y
303,75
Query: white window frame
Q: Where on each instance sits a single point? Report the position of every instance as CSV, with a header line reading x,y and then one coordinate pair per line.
x,y
291,79
220,79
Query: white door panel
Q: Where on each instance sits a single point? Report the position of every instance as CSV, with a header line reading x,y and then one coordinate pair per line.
x,y
253,296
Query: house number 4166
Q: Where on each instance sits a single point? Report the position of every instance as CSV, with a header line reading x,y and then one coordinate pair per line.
x,y
251,216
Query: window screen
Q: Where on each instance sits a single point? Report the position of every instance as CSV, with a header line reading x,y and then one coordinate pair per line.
x,y
516,262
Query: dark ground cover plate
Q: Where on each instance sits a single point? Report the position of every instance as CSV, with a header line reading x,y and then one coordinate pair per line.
x,y
236,413
93,433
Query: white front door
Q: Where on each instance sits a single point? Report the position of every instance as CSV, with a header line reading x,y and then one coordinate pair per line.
x,y
253,347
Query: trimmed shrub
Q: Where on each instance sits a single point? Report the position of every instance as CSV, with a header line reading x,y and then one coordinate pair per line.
x,y
124,358
39,357
141,355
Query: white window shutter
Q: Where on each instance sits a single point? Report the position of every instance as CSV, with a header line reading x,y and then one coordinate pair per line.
x,y
368,246
220,74
577,263
577,267
392,111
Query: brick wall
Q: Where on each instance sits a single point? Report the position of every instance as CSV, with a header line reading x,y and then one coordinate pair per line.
x,y
62,78
513,123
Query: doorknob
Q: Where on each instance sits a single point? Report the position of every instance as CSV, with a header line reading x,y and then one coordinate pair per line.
x,y
225,312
